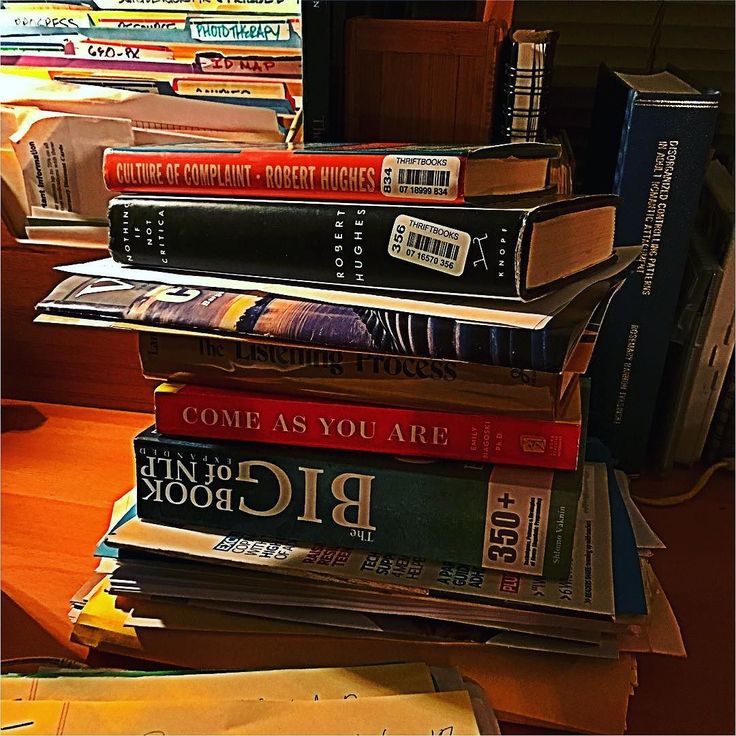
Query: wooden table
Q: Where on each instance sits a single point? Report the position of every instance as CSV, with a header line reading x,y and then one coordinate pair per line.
x,y
63,466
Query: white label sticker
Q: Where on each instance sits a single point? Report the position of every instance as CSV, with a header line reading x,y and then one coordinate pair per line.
x,y
433,246
420,177
516,519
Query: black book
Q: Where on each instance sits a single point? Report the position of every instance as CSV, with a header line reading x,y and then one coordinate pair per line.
x,y
316,26
515,250
649,144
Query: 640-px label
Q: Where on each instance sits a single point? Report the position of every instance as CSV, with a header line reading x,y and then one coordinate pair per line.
x,y
517,513
429,245
420,177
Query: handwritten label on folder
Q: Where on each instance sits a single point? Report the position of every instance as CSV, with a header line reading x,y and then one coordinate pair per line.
x,y
226,29
124,51
216,63
261,90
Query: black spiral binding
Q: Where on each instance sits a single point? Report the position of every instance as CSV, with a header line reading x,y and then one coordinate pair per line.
x,y
524,92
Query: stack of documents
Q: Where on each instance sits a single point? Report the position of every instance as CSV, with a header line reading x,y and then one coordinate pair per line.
x,y
186,597
79,77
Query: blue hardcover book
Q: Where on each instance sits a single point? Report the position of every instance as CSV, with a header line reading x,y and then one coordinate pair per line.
x,y
649,143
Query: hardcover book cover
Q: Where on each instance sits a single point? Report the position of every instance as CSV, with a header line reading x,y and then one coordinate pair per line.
x,y
650,141
360,172
513,250
211,413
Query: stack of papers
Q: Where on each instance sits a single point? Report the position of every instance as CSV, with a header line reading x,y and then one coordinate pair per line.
x,y
79,77
169,594
399,698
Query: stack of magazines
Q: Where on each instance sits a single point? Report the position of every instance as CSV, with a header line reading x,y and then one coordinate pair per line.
x,y
370,429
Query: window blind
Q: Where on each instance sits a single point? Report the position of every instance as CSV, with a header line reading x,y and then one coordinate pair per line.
x,y
695,37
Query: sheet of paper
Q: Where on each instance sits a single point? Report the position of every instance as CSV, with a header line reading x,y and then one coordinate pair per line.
x,y
61,159
426,713
646,538
146,110
660,633
327,683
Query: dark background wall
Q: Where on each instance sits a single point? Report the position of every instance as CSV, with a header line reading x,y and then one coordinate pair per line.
x,y
634,36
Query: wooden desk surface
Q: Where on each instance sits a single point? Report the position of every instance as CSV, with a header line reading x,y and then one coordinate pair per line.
x,y
63,466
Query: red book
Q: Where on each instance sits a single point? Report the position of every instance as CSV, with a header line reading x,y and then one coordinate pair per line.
x,y
198,411
343,172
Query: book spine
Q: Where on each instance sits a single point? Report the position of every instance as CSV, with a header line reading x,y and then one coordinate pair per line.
x,y
524,81
274,173
433,250
316,77
194,411
656,162
395,380
463,514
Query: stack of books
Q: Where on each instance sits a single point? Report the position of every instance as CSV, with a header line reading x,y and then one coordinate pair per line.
x,y
371,430
78,77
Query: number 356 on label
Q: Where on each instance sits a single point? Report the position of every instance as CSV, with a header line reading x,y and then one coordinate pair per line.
x,y
429,245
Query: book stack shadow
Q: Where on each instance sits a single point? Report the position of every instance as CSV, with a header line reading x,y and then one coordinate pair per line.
x,y
370,433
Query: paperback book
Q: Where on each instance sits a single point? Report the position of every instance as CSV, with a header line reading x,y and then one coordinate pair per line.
x,y
541,335
373,378
583,604
525,71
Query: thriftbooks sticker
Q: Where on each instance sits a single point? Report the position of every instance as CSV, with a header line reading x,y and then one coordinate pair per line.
x,y
427,244
420,177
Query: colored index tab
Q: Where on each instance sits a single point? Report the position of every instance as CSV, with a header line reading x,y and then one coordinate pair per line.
x,y
122,51
238,29
230,88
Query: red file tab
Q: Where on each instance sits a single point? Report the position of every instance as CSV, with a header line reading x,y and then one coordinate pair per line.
x,y
196,411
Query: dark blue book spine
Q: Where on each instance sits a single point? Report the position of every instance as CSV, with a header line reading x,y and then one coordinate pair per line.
x,y
651,148
315,69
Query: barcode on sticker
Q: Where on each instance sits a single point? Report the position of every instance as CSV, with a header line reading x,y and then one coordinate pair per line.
x,y
433,246
420,177
424,177
430,245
